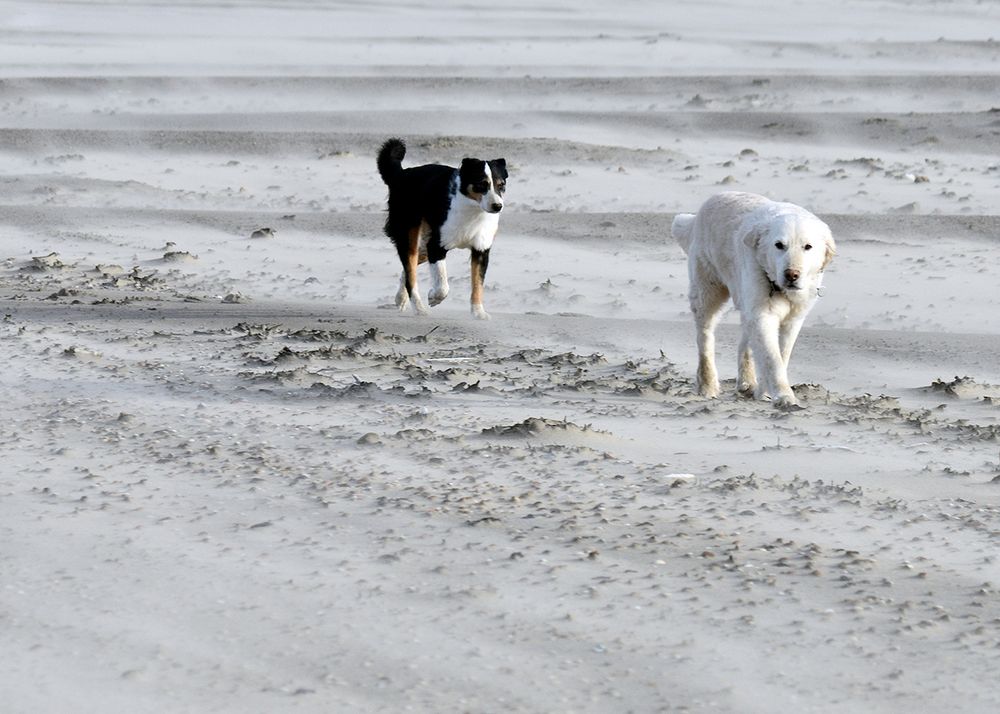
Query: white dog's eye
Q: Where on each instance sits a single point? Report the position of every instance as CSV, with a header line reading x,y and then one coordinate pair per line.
x,y
808,246
779,245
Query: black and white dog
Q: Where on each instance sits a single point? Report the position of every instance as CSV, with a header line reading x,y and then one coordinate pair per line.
x,y
434,209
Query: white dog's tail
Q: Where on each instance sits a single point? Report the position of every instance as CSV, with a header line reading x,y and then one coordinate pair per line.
x,y
681,228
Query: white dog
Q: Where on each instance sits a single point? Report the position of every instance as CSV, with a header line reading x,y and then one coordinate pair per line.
x,y
769,257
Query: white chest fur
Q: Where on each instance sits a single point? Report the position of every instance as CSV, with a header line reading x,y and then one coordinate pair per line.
x,y
468,226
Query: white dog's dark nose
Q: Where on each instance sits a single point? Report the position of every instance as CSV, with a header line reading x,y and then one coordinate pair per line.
x,y
496,208
791,276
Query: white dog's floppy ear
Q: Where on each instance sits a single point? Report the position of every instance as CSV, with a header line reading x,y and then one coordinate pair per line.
x,y
752,237
831,250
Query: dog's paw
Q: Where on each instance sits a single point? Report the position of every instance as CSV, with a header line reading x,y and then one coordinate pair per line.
x,y
746,391
709,391
419,307
479,313
402,299
436,297
787,404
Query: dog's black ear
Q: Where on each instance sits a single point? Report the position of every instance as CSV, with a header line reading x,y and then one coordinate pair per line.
x,y
472,170
500,166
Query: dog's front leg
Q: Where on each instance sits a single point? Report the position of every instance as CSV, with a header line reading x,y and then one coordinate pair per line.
x,y
439,283
478,263
439,269
787,335
771,369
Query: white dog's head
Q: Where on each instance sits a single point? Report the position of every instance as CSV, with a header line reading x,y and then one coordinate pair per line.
x,y
793,249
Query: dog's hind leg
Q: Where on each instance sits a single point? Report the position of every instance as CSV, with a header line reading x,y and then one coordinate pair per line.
x,y
409,255
706,304
403,250
402,297
746,380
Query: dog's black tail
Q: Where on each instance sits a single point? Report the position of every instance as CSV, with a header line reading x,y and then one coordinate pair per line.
x,y
390,161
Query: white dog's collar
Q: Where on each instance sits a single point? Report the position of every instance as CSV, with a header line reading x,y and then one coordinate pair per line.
x,y
775,290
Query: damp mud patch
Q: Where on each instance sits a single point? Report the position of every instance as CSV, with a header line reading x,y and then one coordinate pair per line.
x,y
963,388
547,430
46,263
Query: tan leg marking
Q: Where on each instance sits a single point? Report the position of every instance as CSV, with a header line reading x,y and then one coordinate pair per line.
x,y
412,261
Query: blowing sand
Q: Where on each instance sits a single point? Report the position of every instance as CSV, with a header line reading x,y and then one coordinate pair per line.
x,y
234,479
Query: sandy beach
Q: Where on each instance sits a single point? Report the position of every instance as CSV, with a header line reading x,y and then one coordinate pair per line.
x,y
234,478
